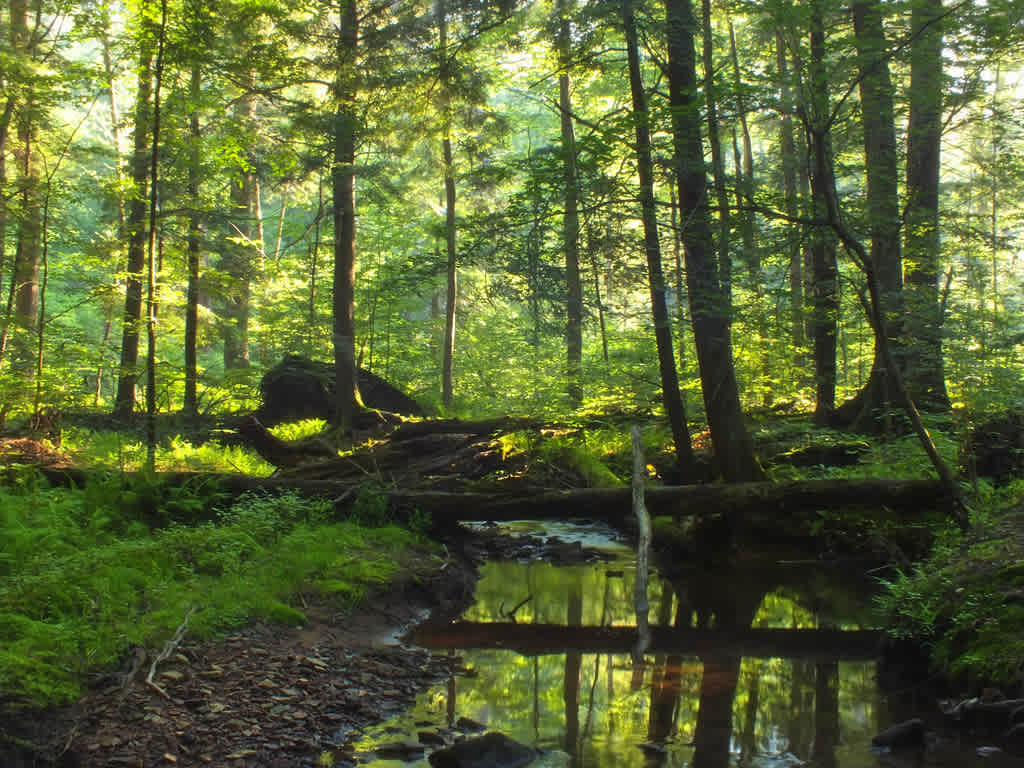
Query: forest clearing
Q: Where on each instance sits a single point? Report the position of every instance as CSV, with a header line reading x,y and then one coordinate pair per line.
x,y
475,383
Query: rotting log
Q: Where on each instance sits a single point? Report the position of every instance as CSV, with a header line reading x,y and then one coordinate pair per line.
x,y
614,504
540,639
764,500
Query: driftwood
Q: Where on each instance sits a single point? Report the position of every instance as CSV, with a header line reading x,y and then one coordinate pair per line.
x,y
539,639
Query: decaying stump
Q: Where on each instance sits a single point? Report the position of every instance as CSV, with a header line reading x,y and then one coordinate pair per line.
x,y
997,448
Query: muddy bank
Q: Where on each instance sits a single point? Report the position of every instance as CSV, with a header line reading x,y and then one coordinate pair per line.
x,y
265,696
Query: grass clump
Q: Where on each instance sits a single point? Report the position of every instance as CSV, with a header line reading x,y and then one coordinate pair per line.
x,y
84,576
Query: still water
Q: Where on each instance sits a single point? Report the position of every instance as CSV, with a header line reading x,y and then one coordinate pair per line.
x,y
762,664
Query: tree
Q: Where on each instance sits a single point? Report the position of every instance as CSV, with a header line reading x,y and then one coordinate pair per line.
x,y
652,247
922,249
571,218
824,269
343,186
124,402
451,294
734,451
869,409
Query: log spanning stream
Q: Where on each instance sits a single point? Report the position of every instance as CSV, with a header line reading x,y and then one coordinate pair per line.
x,y
768,664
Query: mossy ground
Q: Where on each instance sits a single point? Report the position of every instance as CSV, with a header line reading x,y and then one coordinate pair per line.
x,y
88,574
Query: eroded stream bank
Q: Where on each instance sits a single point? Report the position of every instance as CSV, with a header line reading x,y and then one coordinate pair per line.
x,y
764,663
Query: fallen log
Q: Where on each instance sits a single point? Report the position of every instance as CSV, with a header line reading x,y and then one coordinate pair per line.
x,y
613,505
541,639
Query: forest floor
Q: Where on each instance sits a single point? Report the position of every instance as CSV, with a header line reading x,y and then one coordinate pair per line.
x,y
267,695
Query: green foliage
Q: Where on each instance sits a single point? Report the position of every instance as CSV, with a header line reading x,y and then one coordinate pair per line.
x,y
963,600
594,454
118,452
84,576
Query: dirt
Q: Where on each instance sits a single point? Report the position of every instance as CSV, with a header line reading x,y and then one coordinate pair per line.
x,y
267,696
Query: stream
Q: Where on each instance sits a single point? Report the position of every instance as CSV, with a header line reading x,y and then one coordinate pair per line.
x,y
768,663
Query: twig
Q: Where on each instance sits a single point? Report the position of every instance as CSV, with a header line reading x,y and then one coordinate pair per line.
x,y
168,649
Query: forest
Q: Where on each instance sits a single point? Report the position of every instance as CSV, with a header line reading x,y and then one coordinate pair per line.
x,y
783,237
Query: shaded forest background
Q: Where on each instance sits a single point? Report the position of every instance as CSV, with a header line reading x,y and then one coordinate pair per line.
x,y
209,186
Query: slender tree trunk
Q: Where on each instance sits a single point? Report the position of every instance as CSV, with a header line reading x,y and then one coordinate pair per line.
x,y
195,230
109,308
926,377
151,254
717,158
824,271
571,218
124,401
343,185
787,147
25,272
662,326
240,242
870,409
448,361
745,172
734,450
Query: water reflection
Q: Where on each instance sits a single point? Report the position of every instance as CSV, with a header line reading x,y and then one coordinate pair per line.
x,y
747,666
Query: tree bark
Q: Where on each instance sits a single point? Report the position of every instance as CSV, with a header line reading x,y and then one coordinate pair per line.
x,y
734,450
870,408
343,185
926,378
444,73
717,159
824,270
240,238
124,401
652,247
191,404
571,218
151,255
787,149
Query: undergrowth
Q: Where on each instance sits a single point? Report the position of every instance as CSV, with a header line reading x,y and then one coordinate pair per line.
x,y
965,601
87,574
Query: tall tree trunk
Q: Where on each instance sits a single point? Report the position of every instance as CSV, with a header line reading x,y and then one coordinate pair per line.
x,y
109,308
662,326
734,450
745,172
452,287
926,377
25,271
124,400
871,407
717,158
824,272
240,242
343,185
191,404
151,252
787,148
571,218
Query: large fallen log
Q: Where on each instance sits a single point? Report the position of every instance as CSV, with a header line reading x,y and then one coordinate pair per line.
x,y
614,504
539,639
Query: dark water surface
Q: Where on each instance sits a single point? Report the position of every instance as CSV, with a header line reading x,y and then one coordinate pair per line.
x,y
763,664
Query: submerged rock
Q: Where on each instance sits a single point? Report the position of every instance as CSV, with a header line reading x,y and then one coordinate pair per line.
x,y
906,735
492,750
